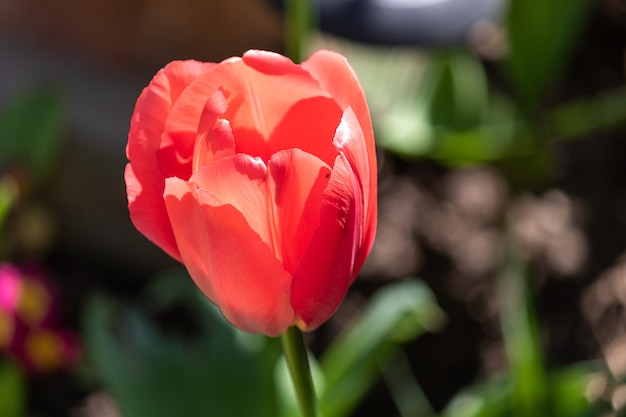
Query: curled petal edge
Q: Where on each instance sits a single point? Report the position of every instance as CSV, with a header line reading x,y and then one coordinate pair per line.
x,y
228,261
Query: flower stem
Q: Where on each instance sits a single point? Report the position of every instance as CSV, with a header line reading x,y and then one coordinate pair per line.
x,y
298,363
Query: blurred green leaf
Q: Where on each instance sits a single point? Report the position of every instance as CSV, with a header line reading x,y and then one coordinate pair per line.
x,y
523,344
30,130
11,390
405,130
406,392
8,195
531,170
581,117
218,372
492,399
456,92
566,391
453,117
541,36
395,314
528,389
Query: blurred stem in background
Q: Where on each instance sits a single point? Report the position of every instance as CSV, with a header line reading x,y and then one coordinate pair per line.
x,y
299,24
8,195
522,341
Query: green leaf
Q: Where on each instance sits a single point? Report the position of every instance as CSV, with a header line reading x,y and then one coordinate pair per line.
x,y
152,373
566,393
453,117
568,388
30,130
456,92
541,36
406,392
584,116
491,399
395,314
11,390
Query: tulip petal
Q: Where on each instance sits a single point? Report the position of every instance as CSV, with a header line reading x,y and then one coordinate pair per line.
x,y
145,174
271,63
324,274
260,89
337,77
228,261
309,125
349,140
215,138
297,183
240,181
280,202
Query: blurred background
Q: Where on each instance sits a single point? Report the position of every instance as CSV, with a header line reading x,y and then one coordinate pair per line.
x,y
497,283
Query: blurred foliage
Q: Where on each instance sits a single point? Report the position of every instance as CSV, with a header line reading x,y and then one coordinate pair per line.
x,y
461,120
442,105
152,372
396,314
528,389
8,195
31,127
523,345
30,131
568,385
12,402
541,35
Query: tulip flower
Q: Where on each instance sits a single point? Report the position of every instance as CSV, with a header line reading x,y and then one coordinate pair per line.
x,y
260,176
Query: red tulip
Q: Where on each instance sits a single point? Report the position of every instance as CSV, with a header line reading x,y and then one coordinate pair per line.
x,y
260,176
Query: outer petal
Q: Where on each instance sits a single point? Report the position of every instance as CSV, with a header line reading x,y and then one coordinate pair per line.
x,y
148,167
228,260
338,78
324,274
297,183
349,140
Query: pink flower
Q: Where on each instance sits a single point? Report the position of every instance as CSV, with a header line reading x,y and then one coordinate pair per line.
x,y
29,327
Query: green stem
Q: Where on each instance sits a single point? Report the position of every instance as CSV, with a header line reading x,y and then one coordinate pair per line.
x,y
522,340
8,196
298,28
298,363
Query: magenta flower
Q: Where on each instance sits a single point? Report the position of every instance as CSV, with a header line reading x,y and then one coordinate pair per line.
x,y
30,331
